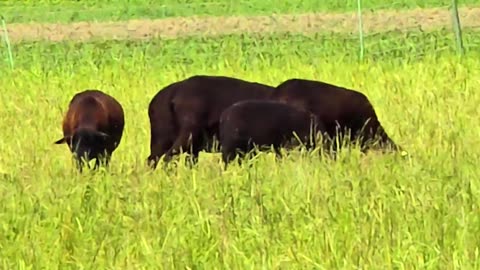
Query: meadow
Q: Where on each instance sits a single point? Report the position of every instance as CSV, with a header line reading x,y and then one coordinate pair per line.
x,y
301,212
117,10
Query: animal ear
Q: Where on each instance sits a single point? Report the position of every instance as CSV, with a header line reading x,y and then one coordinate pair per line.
x,y
62,140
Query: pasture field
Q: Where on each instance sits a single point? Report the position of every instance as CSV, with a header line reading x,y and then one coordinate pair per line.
x,y
301,212
119,10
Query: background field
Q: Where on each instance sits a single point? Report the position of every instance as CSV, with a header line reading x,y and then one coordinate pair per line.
x,y
86,10
372,212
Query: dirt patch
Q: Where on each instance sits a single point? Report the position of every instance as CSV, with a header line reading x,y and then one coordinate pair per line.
x,y
378,21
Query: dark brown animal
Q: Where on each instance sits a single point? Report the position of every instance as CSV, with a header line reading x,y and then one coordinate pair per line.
x,y
343,111
184,116
258,123
92,127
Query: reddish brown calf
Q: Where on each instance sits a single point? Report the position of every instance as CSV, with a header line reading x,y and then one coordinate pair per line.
x,y
92,127
262,123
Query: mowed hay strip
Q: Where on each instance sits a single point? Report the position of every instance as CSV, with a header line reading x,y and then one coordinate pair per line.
x,y
378,21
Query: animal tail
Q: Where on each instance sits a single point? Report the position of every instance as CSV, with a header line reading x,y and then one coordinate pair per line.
x,y
161,111
387,142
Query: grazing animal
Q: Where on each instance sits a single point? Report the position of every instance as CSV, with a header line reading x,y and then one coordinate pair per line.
x,y
251,123
343,111
184,116
92,126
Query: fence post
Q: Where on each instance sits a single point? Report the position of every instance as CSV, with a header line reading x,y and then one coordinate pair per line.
x,y
457,28
7,41
360,29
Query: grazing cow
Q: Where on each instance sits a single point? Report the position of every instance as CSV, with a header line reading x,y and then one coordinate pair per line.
x,y
184,115
251,123
92,126
343,111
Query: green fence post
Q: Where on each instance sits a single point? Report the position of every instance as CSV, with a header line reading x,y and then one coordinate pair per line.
x,y
457,28
7,41
360,29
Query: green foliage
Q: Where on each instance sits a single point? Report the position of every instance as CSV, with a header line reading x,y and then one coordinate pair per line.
x,y
240,51
372,212
86,10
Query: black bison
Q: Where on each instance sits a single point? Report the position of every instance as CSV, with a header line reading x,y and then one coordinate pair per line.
x,y
343,111
184,116
92,126
260,123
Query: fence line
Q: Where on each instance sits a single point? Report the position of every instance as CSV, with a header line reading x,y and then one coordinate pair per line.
x,y
361,34
455,23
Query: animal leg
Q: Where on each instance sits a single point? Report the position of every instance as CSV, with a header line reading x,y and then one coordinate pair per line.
x,y
228,154
278,154
80,162
192,159
157,150
98,161
186,142
234,149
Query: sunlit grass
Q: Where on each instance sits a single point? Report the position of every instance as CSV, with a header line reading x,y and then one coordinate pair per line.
x,y
373,212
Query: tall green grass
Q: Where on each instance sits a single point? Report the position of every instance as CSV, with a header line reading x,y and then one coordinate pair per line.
x,y
372,212
86,10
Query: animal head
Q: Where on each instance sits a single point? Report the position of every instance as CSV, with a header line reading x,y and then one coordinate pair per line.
x,y
86,143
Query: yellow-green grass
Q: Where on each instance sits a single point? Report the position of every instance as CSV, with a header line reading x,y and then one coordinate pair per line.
x,y
372,212
106,10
